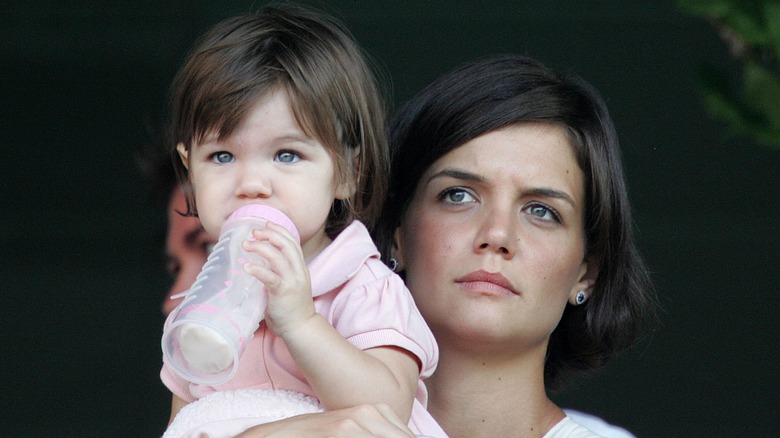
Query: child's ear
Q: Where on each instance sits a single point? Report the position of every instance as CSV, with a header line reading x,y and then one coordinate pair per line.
x,y
346,188
183,154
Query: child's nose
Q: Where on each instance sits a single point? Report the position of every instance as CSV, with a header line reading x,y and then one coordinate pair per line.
x,y
254,183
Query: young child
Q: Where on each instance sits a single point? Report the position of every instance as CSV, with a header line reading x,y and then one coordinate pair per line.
x,y
280,108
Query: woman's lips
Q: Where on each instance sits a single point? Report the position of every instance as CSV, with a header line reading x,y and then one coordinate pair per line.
x,y
487,282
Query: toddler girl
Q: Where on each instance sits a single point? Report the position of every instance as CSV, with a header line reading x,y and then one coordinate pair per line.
x,y
280,109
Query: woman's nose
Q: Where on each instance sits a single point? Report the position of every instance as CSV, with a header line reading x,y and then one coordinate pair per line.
x,y
497,234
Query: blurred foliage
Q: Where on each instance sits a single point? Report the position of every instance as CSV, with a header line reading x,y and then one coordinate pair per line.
x,y
751,30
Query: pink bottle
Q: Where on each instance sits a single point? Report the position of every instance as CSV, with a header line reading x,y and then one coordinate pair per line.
x,y
213,324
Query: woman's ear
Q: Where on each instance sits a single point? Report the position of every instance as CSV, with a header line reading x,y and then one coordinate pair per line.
x,y
583,289
183,155
396,251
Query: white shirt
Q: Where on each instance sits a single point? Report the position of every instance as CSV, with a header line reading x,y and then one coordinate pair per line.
x,y
598,425
568,428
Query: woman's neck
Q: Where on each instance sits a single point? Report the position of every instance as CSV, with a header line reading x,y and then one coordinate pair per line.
x,y
487,396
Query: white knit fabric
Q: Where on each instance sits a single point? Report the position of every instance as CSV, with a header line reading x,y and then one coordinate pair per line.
x,y
228,413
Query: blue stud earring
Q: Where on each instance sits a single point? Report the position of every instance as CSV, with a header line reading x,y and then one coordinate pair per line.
x,y
580,298
393,264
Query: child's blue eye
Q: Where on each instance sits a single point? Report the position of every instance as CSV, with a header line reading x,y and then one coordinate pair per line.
x,y
287,157
222,157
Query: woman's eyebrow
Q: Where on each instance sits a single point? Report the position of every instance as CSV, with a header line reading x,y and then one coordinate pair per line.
x,y
547,192
457,174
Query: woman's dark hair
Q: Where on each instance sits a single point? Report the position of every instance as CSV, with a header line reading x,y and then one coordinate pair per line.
x,y
505,90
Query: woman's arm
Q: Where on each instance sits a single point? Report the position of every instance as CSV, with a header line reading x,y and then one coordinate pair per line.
x,y
363,421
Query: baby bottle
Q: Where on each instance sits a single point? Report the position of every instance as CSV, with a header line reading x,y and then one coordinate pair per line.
x,y
221,311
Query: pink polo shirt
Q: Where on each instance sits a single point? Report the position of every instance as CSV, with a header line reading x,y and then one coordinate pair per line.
x,y
367,304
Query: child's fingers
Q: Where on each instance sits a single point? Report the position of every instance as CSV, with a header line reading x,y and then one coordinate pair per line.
x,y
273,226
283,267
282,250
289,245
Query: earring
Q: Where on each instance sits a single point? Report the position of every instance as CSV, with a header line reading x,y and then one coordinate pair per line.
x,y
393,264
580,298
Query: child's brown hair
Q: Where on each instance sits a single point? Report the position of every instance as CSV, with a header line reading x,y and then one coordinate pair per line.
x,y
333,92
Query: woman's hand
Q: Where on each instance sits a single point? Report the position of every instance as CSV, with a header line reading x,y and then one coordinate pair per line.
x,y
369,421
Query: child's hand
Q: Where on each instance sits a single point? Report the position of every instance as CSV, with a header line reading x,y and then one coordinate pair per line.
x,y
285,276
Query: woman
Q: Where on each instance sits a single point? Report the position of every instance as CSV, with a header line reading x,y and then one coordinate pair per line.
x,y
510,221
508,216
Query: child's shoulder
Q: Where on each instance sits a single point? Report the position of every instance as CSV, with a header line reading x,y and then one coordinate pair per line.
x,y
351,260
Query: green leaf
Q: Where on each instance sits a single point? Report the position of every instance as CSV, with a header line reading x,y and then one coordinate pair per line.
x,y
748,26
762,93
753,107
754,116
772,20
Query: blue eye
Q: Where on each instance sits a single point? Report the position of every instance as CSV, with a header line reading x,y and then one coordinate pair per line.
x,y
456,195
287,157
543,212
222,157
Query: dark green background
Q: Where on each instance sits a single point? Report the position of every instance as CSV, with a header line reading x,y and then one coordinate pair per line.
x,y
81,268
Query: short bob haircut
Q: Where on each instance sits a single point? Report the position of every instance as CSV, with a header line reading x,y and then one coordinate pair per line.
x,y
334,94
506,90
